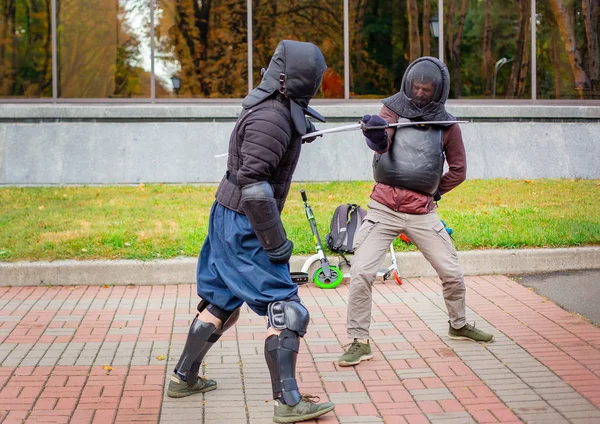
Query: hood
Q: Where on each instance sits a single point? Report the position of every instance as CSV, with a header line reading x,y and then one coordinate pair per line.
x,y
402,104
295,70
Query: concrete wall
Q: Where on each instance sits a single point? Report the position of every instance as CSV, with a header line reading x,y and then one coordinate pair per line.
x,y
177,143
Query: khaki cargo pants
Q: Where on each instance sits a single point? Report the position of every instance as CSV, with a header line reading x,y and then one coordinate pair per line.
x,y
380,227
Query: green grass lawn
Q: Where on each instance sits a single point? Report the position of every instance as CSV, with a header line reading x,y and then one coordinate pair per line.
x,y
165,221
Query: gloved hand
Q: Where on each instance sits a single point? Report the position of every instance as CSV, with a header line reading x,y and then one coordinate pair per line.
x,y
310,127
281,254
437,196
376,139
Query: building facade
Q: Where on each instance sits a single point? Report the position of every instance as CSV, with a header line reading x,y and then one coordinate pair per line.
x,y
126,91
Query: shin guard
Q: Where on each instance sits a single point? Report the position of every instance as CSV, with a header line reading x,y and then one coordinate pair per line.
x,y
212,339
196,346
281,352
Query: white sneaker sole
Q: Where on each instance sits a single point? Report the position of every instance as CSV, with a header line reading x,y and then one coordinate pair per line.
x,y
362,358
467,338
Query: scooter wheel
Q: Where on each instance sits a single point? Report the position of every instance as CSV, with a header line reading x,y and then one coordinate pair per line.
x,y
326,283
397,278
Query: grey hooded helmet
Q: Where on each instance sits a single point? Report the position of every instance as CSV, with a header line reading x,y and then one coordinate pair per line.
x,y
296,70
428,70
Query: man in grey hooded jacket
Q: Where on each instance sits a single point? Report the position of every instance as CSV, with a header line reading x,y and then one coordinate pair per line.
x,y
408,170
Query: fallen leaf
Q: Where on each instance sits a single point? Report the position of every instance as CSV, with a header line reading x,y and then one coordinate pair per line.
x,y
161,357
127,244
41,207
105,286
107,367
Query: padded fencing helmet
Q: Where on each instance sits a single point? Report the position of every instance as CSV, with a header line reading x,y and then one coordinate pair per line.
x,y
295,70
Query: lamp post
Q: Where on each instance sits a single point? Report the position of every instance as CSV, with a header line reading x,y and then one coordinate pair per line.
x,y
434,29
176,84
499,65
434,26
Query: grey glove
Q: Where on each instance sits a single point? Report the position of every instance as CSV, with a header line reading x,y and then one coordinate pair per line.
x,y
282,254
376,139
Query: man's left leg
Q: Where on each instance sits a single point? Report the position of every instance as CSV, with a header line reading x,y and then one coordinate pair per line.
x,y
289,321
208,326
429,235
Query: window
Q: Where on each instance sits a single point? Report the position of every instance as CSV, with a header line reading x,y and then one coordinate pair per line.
x,y
25,49
319,22
103,49
201,49
567,49
488,49
147,50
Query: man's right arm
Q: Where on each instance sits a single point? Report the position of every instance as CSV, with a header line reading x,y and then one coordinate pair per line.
x,y
265,143
390,117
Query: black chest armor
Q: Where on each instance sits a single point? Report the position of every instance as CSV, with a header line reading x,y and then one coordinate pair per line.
x,y
415,160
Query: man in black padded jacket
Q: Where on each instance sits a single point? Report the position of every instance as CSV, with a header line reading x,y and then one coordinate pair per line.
x,y
245,257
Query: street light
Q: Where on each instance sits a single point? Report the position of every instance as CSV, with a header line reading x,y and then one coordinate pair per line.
x,y
434,26
499,64
176,84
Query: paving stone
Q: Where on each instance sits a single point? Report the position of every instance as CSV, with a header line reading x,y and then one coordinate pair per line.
x,y
516,371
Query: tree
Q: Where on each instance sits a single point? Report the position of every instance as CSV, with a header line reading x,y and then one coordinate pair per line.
x,y
359,8
590,16
455,23
488,62
565,22
425,28
520,65
204,42
414,38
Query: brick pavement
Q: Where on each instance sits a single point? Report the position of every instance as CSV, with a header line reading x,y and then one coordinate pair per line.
x,y
103,355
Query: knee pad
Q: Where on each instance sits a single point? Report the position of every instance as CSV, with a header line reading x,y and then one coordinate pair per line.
x,y
228,318
289,314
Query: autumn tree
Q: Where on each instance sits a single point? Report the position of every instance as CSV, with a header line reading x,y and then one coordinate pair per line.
x,y
520,64
487,64
565,21
25,48
414,37
454,27
590,15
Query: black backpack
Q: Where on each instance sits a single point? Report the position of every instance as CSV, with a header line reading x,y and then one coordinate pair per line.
x,y
344,227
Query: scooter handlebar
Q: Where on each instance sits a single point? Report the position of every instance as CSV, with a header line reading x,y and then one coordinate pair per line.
x,y
303,193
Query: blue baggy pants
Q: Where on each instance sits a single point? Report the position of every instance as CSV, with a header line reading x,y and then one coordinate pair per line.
x,y
233,267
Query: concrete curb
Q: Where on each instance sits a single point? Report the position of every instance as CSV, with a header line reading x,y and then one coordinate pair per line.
x,y
183,270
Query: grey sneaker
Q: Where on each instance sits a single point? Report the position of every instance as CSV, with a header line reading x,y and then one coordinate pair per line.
x,y
356,353
306,409
179,388
469,332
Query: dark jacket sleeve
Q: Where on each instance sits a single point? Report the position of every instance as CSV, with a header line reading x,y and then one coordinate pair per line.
x,y
456,157
265,140
391,118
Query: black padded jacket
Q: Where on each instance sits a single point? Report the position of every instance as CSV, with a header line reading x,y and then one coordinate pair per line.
x,y
263,146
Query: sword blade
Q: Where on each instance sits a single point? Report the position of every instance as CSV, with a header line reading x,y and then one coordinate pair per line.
x,y
353,127
343,128
413,124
